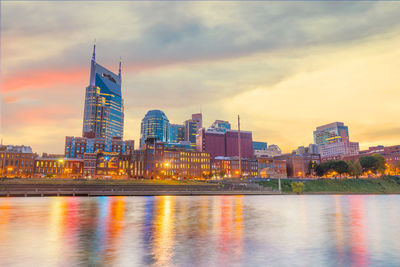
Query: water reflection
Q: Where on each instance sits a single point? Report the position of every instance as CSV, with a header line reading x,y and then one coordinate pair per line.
x,y
201,231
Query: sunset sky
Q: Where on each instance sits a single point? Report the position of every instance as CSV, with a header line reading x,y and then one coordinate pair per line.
x,y
285,67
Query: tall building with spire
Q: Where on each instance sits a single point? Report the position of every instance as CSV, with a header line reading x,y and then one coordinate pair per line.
x,y
104,107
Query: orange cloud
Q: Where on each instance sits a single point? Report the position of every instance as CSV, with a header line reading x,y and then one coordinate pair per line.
x,y
44,78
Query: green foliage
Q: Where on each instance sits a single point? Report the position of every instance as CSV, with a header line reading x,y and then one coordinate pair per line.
x,y
297,187
354,168
222,173
375,163
369,185
285,184
339,166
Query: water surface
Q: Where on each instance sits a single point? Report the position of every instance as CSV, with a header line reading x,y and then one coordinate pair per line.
x,y
201,231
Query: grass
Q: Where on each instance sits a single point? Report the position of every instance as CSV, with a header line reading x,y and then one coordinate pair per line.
x,y
99,182
383,185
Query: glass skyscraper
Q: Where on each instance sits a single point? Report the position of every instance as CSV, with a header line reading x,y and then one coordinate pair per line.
x,y
104,106
155,125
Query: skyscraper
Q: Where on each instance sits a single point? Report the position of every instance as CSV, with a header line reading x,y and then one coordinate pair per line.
x,y
155,124
104,107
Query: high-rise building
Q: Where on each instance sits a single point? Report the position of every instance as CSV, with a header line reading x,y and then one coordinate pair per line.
x,y
191,131
176,133
220,126
198,118
337,150
104,108
155,125
331,133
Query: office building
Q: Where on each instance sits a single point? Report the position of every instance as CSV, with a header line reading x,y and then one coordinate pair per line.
x,y
330,133
155,125
336,150
259,145
104,108
271,151
198,119
76,147
220,126
176,133
225,144
190,132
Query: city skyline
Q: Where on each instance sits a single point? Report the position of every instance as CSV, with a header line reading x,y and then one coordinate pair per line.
x,y
275,87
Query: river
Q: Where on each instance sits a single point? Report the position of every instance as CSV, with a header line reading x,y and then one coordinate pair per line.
x,y
306,230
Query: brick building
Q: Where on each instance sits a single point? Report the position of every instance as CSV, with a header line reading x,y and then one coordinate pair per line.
x,y
16,161
299,165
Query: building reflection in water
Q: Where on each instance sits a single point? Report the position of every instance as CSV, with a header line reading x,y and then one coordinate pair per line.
x,y
164,231
200,231
359,252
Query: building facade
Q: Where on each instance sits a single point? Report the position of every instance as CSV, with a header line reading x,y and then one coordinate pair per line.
x,y
330,133
229,167
220,126
225,144
259,145
58,168
16,161
104,108
176,133
336,150
155,125
158,161
271,151
198,119
190,132
300,165
271,168
76,147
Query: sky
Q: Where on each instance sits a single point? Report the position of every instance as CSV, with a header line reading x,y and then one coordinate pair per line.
x,y
285,67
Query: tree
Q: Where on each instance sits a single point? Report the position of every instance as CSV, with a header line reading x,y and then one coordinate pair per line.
x,y
340,167
354,168
367,163
297,187
375,163
222,173
380,164
319,170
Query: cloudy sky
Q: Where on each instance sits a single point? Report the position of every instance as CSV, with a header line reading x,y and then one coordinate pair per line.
x,y
285,67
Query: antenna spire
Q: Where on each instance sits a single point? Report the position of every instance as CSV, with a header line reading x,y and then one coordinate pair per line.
x,y
119,71
94,51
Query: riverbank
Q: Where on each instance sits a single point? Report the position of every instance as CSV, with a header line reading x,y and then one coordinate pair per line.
x,y
63,187
383,185
68,187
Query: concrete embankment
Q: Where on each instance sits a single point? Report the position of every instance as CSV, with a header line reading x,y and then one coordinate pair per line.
x,y
28,190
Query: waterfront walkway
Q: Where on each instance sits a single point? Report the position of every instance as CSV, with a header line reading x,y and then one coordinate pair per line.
x,y
28,190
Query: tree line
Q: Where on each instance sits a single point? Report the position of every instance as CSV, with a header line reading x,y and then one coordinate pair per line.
x,y
371,164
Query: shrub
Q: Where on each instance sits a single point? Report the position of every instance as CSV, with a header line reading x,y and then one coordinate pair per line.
x,y
297,187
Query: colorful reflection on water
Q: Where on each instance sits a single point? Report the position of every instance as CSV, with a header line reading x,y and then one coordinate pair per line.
x,y
201,231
